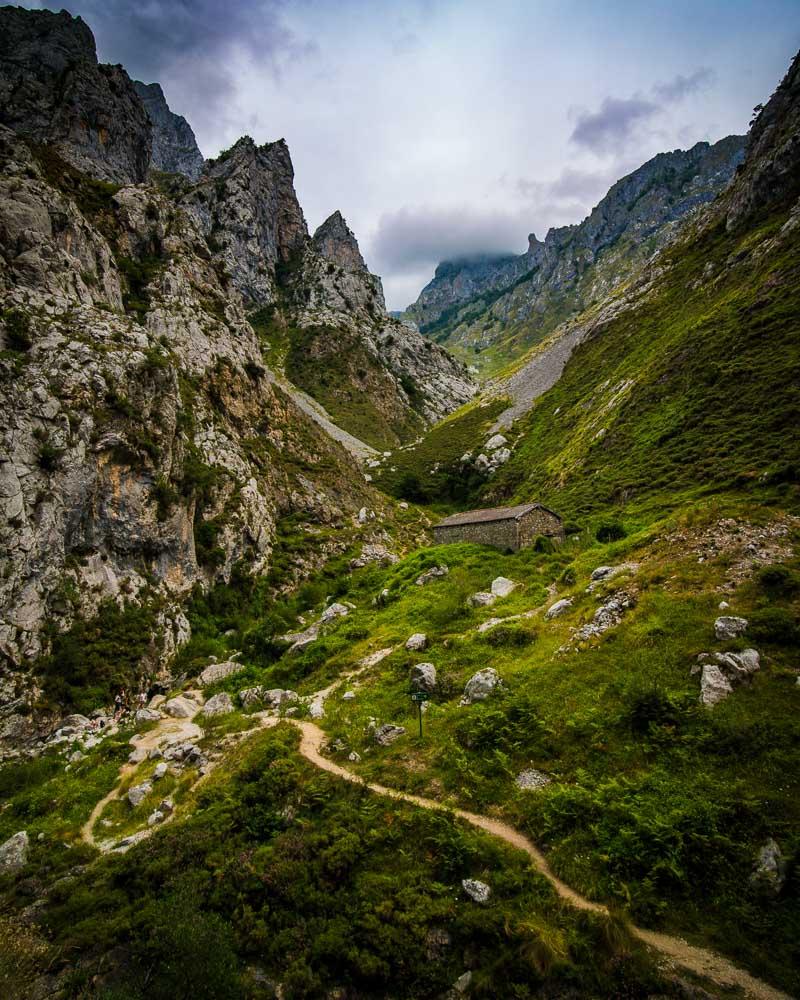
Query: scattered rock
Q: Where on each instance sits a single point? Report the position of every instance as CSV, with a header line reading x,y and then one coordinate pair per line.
x,y
719,672
434,573
167,806
417,642
155,817
147,715
220,704
14,852
349,696
354,757
729,627
373,553
160,771
423,677
531,780
155,753
388,733
76,757
334,611
723,605
138,755
180,707
770,869
559,608
483,599
604,573
139,793
462,984
477,891
219,671
607,616
502,586
480,686
316,708
495,442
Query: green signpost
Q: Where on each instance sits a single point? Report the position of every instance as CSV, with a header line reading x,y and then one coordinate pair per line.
x,y
419,697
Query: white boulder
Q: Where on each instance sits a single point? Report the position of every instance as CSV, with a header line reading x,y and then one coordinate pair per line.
x,y
559,608
219,671
180,707
495,442
478,892
423,677
502,586
14,852
417,642
480,686
220,704
729,627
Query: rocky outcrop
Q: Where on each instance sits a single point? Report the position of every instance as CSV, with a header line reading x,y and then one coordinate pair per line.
x,y
334,240
53,91
770,176
174,148
518,301
246,208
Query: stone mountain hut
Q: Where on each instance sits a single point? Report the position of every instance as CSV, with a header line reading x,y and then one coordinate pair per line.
x,y
504,527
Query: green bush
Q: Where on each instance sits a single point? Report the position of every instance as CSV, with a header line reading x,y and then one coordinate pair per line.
x,y
610,531
776,626
18,330
779,580
509,635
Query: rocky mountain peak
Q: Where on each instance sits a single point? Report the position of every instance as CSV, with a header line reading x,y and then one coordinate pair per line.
x,y
335,241
174,145
53,91
769,175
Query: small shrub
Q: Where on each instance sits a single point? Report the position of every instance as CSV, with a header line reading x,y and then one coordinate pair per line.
x,y
48,456
165,496
509,635
779,580
18,330
774,625
544,544
610,531
568,578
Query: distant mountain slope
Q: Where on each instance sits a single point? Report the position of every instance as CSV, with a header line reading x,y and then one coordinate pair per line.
x,y
489,313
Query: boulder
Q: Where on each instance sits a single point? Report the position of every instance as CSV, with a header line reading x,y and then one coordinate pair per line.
x,y
160,771
417,642
219,671
155,817
483,599
559,608
167,806
434,573
138,755
770,868
14,852
334,611
388,733
74,722
480,686
502,586
316,708
251,696
220,704
531,780
602,572
423,677
180,707
349,696
495,442
147,715
478,892
139,793
714,685
729,627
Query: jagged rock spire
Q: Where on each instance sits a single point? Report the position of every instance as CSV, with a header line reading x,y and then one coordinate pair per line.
x,y
335,241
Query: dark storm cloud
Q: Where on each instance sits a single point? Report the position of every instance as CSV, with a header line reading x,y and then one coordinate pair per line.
x,y
620,120
198,41
416,238
614,125
682,86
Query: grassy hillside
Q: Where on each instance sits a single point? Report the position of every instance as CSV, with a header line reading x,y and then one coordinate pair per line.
x,y
695,390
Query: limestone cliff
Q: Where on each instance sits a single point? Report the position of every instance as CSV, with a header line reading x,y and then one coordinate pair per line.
x,y
53,90
504,305
174,145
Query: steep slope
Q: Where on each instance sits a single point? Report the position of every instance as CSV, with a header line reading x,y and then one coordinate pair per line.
x,y
492,315
53,90
174,145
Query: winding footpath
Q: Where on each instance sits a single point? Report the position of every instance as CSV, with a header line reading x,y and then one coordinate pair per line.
x,y
700,961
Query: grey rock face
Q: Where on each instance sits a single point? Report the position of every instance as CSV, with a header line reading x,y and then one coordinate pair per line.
x,y
721,672
245,205
334,240
14,852
478,892
502,586
729,627
220,704
180,707
53,90
480,686
219,671
174,146
423,677
578,264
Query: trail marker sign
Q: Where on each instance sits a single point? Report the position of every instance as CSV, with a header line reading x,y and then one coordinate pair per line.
x,y
419,697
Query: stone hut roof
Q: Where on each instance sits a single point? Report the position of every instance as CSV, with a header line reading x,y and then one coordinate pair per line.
x,y
492,514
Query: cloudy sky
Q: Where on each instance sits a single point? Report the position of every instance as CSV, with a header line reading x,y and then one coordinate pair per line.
x,y
441,127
